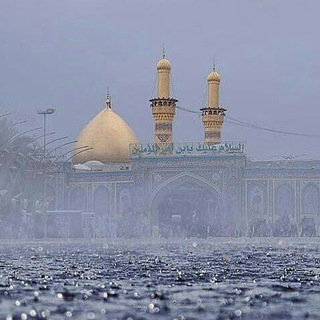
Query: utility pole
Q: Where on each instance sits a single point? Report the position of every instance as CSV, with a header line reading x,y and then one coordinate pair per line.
x,y
45,112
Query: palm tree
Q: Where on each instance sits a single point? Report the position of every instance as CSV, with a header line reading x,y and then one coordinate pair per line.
x,y
17,168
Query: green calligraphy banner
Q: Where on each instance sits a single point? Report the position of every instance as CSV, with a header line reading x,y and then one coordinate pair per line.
x,y
185,148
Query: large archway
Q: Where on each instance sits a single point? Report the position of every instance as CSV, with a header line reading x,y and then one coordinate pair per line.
x,y
187,206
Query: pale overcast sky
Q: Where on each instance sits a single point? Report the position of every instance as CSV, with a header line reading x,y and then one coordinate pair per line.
x,y
64,54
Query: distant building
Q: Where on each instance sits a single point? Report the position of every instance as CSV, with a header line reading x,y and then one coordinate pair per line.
x,y
170,189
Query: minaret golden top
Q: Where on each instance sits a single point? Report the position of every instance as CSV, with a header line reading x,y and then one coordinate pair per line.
x,y
164,68
213,80
163,64
214,76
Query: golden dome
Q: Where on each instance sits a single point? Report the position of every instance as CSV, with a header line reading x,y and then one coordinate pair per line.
x,y
213,76
163,64
108,135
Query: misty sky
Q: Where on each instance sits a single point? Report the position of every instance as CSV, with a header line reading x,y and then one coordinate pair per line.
x,y
64,54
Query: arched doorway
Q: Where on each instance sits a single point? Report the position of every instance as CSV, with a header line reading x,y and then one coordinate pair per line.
x,y
101,201
310,200
127,221
257,212
187,206
284,224
310,209
101,205
78,199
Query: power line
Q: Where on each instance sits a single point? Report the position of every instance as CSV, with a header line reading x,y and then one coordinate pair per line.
x,y
188,110
253,126
245,124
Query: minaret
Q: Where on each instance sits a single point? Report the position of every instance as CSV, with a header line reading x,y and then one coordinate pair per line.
x,y
212,114
163,107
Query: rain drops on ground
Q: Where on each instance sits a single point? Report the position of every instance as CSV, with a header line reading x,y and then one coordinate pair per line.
x,y
164,279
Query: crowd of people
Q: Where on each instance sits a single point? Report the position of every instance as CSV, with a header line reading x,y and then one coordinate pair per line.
x,y
283,227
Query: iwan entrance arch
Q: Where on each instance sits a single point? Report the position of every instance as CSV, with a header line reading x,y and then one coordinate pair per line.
x,y
187,205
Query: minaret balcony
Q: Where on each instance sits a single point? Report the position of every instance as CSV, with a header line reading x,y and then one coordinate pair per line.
x,y
217,111
159,102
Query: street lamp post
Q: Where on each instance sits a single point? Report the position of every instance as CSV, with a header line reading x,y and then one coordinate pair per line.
x,y
45,112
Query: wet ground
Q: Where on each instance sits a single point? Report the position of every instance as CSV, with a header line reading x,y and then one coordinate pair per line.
x,y
177,279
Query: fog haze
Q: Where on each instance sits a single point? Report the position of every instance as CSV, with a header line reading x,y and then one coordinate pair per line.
x,y
64,54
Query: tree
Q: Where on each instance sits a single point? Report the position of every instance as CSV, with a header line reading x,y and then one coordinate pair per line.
x,y
18,182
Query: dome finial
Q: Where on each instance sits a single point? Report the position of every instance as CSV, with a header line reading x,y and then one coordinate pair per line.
x,y
108,100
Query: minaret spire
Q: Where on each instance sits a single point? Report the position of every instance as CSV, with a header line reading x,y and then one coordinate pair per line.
x,y
163,51
163,107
